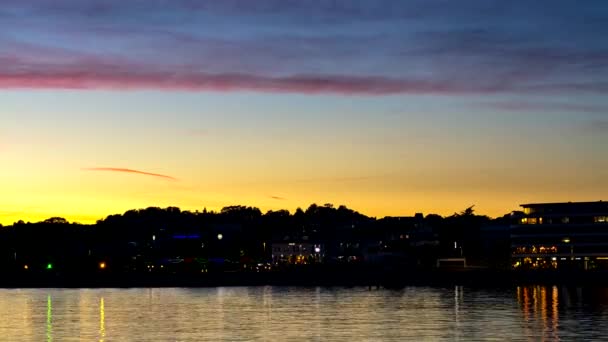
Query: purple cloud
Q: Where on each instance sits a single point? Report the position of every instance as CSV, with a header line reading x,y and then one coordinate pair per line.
x,y
336,47
97,73
100,74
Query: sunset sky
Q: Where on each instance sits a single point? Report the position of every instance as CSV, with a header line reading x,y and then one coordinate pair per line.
x,y
388,107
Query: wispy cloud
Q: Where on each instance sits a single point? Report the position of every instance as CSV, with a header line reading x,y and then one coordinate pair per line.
x,y
597,126
336,47
100,75
333,180
224,83
196,132
109,74
525,106
114,169
278,198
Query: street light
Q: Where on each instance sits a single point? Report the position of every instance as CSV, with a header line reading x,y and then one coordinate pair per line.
x,y
220,236
567,240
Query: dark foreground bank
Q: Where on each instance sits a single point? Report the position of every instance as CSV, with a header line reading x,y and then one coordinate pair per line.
x,y
316,277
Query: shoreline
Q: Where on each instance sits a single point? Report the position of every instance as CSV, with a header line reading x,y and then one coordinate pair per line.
x,y
326,278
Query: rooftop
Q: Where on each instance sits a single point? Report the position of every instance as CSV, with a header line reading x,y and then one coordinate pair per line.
x,y
529,205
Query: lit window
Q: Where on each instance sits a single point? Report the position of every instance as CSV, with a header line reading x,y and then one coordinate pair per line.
x,y
600,219
565,220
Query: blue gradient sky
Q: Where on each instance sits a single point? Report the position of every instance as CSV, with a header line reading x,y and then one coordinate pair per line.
x,y
389,107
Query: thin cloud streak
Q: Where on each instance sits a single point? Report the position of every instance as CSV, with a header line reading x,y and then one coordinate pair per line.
x,y
523,106
278,198
196,132
114,169
106,76
599,127
124,78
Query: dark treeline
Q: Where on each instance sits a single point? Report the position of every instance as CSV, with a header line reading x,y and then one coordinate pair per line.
x,y
244,238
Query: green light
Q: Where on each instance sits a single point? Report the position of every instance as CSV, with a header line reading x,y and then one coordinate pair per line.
x,y
49,266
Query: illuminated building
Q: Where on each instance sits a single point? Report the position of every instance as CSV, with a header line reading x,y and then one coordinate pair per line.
x,y
300,252
560,235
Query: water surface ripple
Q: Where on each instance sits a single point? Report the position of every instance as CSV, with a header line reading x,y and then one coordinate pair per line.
x,y
528,313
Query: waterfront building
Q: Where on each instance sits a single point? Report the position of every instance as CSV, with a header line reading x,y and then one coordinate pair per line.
x,y
297,252
560,236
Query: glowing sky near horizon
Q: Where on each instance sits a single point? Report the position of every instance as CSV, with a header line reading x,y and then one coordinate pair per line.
x,y
388,107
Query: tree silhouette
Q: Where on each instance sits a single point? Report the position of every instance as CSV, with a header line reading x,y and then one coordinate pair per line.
x,y
56,220
154,234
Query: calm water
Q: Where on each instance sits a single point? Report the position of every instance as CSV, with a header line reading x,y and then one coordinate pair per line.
x,y
301,314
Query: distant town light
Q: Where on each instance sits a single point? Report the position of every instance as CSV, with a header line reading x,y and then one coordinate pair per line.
x,y
26,267
49,266
102,265
153,237
317,250
566,240
220,236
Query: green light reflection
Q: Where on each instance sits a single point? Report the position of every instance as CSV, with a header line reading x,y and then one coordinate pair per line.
x,y
49,319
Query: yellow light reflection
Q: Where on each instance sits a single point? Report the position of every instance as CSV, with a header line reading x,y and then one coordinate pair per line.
x,y
555,311
543,309
102,320
526,304
540,309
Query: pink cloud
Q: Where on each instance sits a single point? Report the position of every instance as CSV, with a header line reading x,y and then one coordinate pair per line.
x,y
119,76
298,47
114,169
27,66
99,74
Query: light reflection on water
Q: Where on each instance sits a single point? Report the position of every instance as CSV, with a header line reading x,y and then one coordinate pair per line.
x,y
296,314
49,319
102,320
